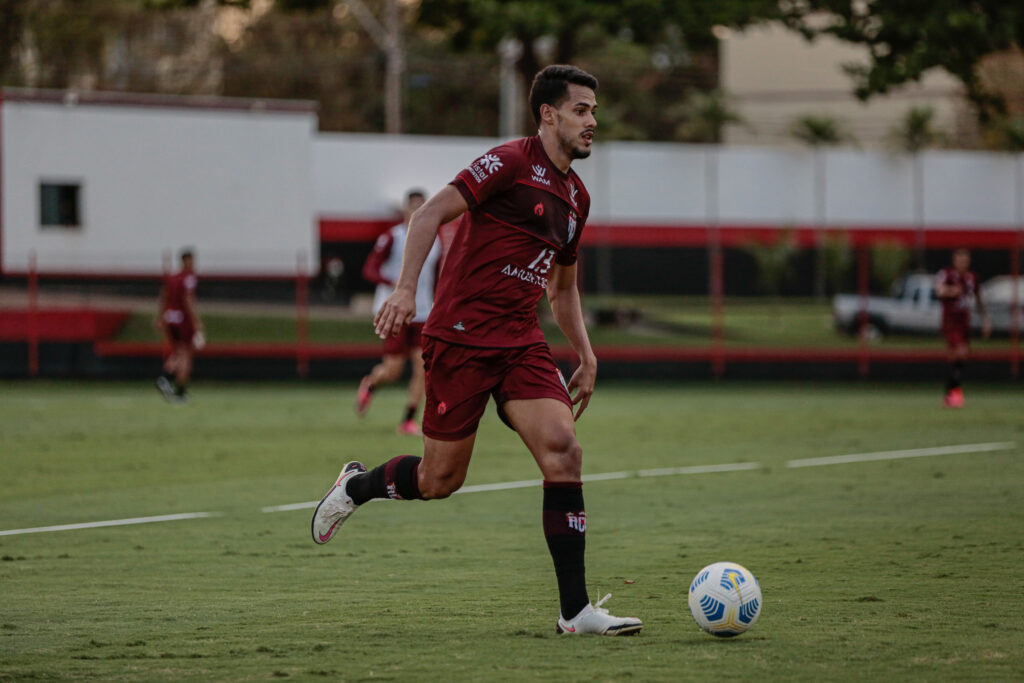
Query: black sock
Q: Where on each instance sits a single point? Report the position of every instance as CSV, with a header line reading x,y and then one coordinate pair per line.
x,y
410,413
180,389
169,376
394,479
565,526
956,375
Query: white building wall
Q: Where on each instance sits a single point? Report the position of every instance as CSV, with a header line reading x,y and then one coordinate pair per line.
x,y
236,185
365,177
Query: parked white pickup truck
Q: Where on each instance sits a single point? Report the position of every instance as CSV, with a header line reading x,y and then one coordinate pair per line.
x,y
915,308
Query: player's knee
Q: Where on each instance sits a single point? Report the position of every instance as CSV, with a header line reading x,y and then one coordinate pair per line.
x,y
565,458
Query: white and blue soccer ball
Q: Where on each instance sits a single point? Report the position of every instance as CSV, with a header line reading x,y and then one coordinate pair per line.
x,y
725,599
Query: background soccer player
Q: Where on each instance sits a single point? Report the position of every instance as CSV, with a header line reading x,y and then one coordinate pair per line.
x,y
383,267
956,287
524,209
181,324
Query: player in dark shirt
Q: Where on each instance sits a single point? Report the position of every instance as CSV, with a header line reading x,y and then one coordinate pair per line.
x,y
957,288
523,209
183,328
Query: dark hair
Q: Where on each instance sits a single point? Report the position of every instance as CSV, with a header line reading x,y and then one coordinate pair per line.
x,y
187,252
412,194
551,85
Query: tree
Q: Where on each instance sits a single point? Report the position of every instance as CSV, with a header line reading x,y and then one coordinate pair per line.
x,y
550,31
906,38
820,130
916,131
705,116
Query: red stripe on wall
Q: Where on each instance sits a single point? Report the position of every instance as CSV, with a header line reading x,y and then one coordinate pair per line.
x,y
732,235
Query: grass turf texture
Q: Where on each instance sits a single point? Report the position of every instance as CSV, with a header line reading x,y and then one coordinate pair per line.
x,y
906,569
659,321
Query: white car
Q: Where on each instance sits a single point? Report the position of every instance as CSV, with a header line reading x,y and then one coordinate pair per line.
x,y
915,308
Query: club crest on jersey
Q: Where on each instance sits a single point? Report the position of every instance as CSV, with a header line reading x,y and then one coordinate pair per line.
x,y
572,193
572,225
577,521
483,167
538,175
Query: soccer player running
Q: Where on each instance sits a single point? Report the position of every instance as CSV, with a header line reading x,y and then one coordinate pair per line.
x,y
383,267
956,287
524,210
181,325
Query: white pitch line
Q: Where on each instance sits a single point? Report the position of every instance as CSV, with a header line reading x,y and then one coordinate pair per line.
x,y
110,522
909,453
529,483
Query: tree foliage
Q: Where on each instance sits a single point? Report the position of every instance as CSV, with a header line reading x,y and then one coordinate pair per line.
x,y
916,131
820,130
906,38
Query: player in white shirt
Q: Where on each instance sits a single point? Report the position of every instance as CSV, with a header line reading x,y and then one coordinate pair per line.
x,y
382,267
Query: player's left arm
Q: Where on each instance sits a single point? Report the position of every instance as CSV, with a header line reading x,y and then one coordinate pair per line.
x,y
986,321
564,297
192,312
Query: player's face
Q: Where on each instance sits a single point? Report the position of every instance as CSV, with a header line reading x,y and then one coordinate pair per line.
x,y
575,121
962,260
412,204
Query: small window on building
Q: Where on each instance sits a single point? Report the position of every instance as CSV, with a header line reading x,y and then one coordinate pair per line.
x,y
60,205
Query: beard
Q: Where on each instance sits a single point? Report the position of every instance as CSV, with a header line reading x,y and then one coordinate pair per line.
x,y
579,152
571,146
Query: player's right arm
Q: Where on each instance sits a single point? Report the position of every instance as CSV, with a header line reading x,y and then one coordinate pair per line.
x,y
944,289
400,308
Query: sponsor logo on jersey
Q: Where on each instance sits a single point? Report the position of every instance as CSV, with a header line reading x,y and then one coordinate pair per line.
x,y
524,274
485,166
459,327
577,521
572,193
538,175
572,225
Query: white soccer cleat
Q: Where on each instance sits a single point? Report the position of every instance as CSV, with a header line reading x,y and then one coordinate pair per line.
x,y
165,387
595,619
336,506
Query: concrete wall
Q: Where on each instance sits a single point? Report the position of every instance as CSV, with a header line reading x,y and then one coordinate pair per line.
x,y
360,176
233,179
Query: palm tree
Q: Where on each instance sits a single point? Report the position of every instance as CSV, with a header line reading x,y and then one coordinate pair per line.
x,y
819,131
916,131
705,116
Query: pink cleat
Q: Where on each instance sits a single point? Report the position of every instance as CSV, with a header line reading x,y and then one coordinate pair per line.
x,y
409,428
364,396
954,398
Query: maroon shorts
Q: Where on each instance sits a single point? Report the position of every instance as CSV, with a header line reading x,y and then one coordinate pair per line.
x,y
461,378
957,335
405,341
957,331
180,333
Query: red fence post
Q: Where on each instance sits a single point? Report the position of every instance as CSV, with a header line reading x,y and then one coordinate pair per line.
x,y
33,316
1015,305
302,316
717,304
863,270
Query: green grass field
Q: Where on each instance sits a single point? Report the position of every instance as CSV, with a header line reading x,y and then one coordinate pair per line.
x,y
905,569
662,321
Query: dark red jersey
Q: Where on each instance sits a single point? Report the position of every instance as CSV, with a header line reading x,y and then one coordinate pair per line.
x,y
956,310
177,288
524,215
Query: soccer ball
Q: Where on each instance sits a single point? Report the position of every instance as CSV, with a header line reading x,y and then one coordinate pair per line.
x,y
725,599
